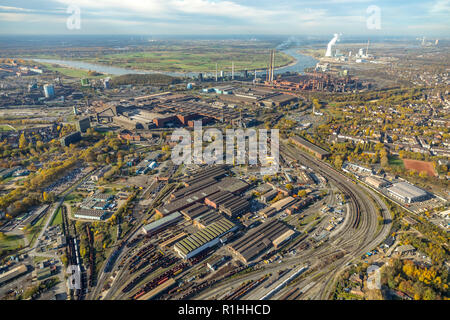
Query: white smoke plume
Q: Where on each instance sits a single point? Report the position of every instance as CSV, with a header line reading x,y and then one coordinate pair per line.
x,y
331,44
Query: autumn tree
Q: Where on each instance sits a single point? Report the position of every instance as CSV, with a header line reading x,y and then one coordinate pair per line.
x,y
22,141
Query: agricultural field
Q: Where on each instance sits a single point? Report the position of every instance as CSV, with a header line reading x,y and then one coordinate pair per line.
x,y
172,56
194,60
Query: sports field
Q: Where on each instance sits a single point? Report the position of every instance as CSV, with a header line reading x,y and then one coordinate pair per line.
x,y
420,166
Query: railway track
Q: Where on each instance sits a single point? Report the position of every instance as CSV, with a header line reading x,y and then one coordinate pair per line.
x,y
359,234
72,251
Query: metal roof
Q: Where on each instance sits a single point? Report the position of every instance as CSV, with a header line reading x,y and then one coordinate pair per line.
x,y
405,189
204,236
164,220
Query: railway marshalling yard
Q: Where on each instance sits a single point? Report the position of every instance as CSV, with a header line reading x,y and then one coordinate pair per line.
x,y
147,267
358,235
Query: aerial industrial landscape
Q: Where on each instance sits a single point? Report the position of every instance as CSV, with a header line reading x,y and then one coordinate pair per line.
x,y
96,204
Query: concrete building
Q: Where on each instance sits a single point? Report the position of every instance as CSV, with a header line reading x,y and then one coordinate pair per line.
x,y
49,91
91,214
71,138
376,182
408,193
228,203
304,144
260,239
269,196
283,203
216,262
404,250
13,273
154,227
83,124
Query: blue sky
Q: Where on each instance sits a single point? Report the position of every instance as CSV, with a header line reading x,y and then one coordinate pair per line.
x,y
293,17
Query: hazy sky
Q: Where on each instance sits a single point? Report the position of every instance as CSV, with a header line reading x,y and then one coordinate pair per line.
x,y
294,17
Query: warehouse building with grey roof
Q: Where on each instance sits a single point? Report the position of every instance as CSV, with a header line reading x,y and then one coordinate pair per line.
x,y
408,193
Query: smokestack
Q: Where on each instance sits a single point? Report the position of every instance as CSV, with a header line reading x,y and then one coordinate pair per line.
x,y
216,73
232,71
273,66
331,44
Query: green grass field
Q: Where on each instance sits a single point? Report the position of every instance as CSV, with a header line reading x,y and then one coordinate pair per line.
x,y
11,242
74,197
396,161
194,60
5,128
69,72
57,219
32,233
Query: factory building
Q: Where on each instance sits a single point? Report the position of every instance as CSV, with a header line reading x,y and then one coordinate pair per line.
x,y
128,123
304,144
233,185
184,192
192,212
91,214
83,124
71,138
214,172
103,197
185,202
206,219
267,212
408,193
228,203
279,100
224,90
216,262
376,182
284,203
154,227
269,196
202,109
205,184
304,178
300,204
129,136
204,239
281,239
13,273
49,91
278,206
259,240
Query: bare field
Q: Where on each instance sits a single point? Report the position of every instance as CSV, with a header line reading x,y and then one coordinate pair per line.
x,y
420,166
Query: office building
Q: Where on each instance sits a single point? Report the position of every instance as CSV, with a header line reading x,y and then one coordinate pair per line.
x,y
49,91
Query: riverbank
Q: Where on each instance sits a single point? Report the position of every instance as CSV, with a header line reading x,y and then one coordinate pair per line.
x,y
298,63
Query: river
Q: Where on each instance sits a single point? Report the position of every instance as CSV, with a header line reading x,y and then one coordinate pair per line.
x,y
302,62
